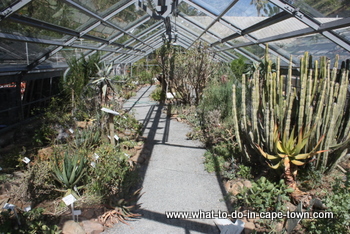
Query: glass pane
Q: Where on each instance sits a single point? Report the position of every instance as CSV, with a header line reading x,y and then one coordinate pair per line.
x,y
15,52
344,33
189,10
221,30
334,8
8,26
101,6
215,7
256,50
144,26
127,16
102,31
253,8
316,44
54,12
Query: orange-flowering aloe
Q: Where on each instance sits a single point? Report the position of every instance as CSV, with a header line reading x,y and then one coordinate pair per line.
x,y
288,154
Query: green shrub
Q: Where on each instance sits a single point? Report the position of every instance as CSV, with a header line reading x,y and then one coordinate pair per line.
x,y
158,94
338,202
264,196
108,172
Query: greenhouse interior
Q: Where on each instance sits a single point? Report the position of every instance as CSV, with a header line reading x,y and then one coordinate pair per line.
x,y
232,114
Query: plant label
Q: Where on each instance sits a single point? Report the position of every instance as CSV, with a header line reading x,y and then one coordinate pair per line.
x,y
77,212
116,137
28,208
26,160
68,200
9,206
109,111
71,130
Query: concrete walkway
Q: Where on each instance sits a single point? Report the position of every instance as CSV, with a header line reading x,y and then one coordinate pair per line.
x,y
174,178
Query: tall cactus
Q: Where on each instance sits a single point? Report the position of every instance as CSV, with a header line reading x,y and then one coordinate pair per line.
x,y
319,107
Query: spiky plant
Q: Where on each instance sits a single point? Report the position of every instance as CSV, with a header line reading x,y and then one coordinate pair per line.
x,y
315,104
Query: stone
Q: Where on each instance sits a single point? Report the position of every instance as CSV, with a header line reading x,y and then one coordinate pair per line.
x,y
249,227
247,184
92,227
71,227
234,187
89,213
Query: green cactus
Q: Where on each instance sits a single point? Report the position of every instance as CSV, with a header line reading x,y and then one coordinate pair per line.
x,y
276,106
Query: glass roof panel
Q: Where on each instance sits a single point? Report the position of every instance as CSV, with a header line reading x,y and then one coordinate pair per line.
x,y
102,31
316,44
255,8
8,26
239,40
123,39
221,30
189,10
334,8
16,52
256,50
55,12
127,16
100,6
143,26
286,26
216,7
343,32
247,13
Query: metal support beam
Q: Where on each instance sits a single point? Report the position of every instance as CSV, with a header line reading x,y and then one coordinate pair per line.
x,y
13,8
217,18
312,23
235,28
265,23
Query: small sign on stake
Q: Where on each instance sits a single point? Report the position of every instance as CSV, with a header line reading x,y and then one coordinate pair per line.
x,y
26,160
9,206
116,137
77,212
68,200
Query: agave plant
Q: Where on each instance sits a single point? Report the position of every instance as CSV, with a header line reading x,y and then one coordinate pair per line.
x,y
69,171
287,153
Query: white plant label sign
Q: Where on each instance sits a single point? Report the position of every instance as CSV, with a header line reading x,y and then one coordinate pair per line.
x,y
26,160
70,199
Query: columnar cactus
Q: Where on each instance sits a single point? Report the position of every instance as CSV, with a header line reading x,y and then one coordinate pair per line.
x,y
318,106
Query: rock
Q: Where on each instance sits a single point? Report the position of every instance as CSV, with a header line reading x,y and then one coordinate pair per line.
x,y
247,184
249,227
89,213
234,187
18,174
92,227
45,153
71,227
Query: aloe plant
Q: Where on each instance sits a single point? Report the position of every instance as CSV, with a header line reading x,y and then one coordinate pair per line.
x,y
103,81
287,154
70,170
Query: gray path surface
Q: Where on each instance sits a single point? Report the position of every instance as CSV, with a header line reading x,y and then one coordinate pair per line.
x,y
174,177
